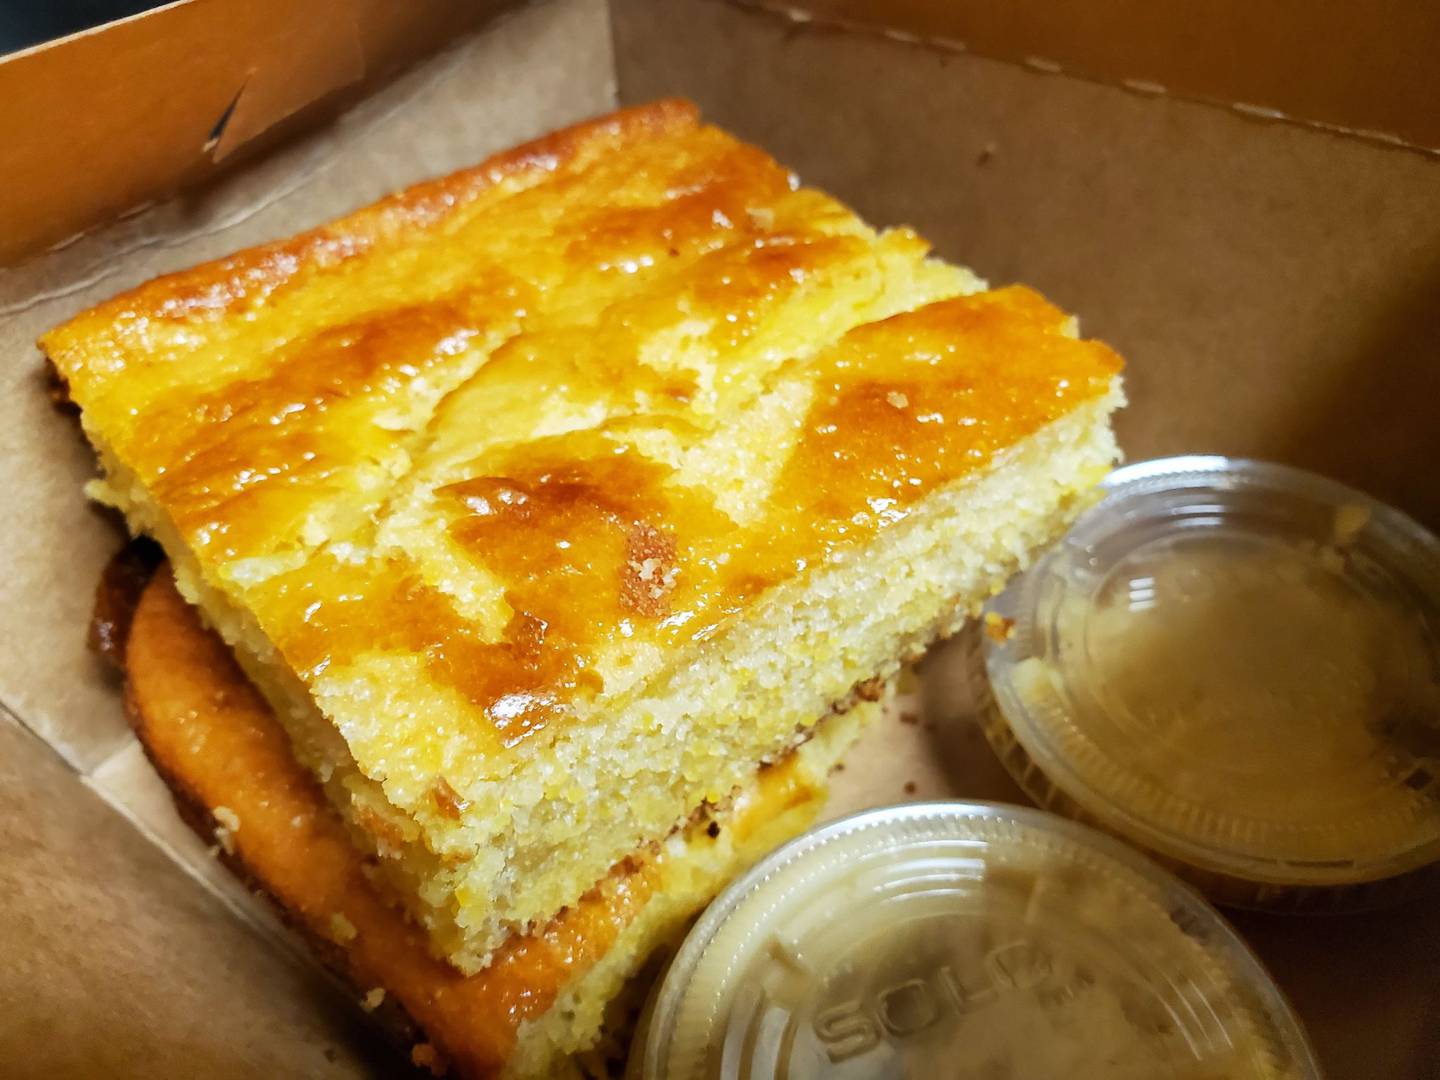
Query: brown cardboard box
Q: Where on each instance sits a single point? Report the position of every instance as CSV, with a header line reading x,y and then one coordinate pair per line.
x,y
1273,280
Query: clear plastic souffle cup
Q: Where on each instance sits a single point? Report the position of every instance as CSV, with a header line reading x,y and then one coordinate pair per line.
x,y
965,939
1235,666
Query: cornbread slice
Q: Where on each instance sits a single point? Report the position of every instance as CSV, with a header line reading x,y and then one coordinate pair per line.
x,y
546,500
542,999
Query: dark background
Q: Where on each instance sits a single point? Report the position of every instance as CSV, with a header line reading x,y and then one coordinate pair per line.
x,y
29,22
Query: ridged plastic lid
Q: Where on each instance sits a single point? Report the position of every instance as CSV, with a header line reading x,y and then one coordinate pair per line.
x,y
966,939
1235,665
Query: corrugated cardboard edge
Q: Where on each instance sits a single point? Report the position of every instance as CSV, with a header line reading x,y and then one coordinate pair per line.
x,y
206,86
1364,71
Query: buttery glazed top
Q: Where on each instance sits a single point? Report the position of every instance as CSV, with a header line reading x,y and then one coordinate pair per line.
x,y
502,440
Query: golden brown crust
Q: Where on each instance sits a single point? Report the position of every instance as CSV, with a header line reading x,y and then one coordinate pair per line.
x,y
214,288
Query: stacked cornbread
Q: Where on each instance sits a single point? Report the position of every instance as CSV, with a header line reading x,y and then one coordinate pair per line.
x,y
549,503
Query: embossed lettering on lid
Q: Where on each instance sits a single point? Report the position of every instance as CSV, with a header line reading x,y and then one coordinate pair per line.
x,y
969,939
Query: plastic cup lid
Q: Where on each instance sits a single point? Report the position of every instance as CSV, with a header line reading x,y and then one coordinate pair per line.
x,y
966,939
1237,666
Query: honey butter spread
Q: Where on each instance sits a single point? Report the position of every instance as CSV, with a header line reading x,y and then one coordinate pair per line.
x,y
1253,692
1235,665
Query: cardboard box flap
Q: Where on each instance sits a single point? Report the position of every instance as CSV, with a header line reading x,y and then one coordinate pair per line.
x,y
1364,68
112,118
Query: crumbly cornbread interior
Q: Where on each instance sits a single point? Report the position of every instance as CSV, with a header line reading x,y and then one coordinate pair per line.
x,y
542,999
546,500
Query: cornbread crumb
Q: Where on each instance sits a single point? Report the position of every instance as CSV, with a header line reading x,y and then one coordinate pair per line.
x,y
870,689
649,572
997,627
227,817
227,825
373,999
342,930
